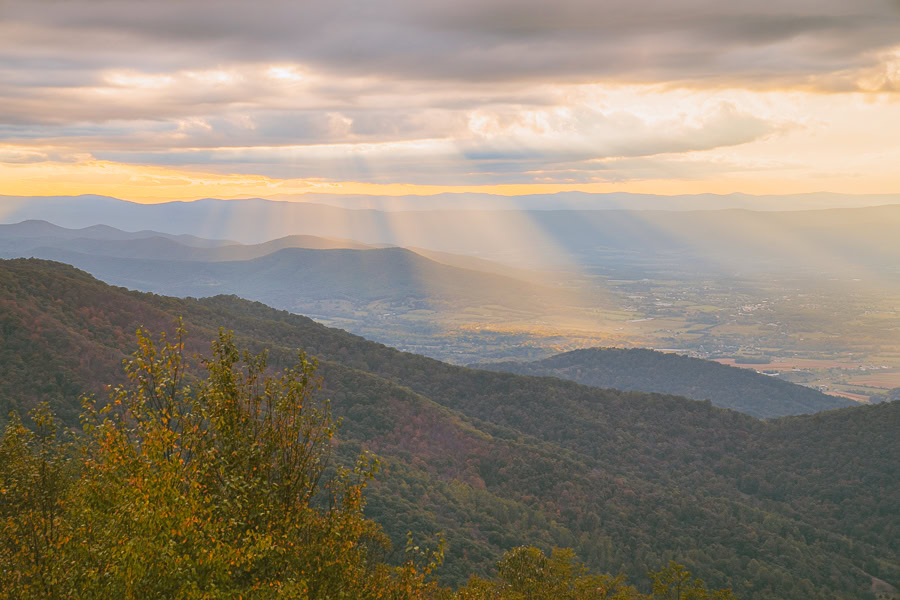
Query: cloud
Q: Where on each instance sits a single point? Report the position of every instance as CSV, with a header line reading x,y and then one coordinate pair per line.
x,y
482,91
13,155
16,156
585,133
506,145
468,40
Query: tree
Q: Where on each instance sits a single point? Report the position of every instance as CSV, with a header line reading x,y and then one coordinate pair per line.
x,y
675,583
216,482
526,573
194,487
34,465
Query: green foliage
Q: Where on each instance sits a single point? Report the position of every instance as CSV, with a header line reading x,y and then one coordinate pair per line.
x,y
526,573
35,470
675,583
216,487
211,489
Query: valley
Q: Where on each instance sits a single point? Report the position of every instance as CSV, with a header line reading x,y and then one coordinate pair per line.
x,y
827,330
494,460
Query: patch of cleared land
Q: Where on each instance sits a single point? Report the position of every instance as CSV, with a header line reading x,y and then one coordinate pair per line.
x,y
791,364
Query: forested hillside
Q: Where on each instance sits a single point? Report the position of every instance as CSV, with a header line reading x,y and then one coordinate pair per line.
x,y
644,370
787,509
220,486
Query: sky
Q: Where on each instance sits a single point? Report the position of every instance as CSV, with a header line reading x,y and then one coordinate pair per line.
x,y
182,99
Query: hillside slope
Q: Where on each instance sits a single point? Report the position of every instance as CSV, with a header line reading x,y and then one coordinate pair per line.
x,y
798,508
293,278
401,297
644,370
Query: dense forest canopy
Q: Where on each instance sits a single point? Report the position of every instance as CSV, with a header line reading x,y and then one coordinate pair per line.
x,y
644,370
221,487
630,481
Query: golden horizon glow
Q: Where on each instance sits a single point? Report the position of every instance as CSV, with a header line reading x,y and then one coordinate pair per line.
x,y
151,184
672,142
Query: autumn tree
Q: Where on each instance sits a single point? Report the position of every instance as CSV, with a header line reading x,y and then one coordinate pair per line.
x,y
217,482
526,573
213,486
34,479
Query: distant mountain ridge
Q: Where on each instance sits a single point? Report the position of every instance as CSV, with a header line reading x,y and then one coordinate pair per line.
x,y
110,241
164,248
284,272
597,201
575,200
839,239
643,370
289,277
41,230
24,238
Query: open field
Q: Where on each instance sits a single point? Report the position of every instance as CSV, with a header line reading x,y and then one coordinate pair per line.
x,y
792,364
861,398
877,379
809,331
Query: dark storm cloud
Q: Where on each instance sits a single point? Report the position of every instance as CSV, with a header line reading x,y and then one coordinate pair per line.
x,y
648,40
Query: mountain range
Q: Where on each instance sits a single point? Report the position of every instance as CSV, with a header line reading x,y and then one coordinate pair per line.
x,y
336,278
401,296
802,507
26,237
596,201
321,268
840,241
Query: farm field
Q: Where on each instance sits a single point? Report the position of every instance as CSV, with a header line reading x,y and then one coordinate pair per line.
x,y
855,381
877,379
